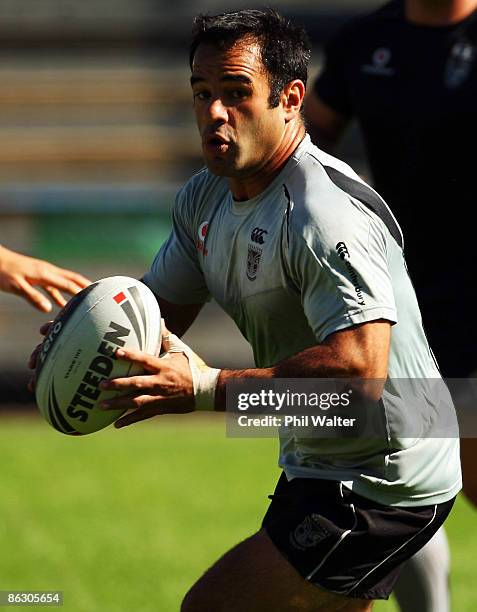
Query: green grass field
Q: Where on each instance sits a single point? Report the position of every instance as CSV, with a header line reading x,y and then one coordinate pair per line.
x,y
126,520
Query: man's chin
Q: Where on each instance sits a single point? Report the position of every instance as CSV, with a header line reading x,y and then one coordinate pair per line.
x,y
220,167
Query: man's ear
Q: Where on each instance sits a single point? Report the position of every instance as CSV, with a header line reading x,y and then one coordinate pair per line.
x,y
292,98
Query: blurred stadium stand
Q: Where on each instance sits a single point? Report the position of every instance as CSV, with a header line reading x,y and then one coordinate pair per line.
x,y
97,132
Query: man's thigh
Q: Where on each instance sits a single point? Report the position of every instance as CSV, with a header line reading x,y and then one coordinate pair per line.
x,y
254,577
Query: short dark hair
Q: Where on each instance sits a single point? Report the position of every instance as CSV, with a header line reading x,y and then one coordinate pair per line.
x,y
285,47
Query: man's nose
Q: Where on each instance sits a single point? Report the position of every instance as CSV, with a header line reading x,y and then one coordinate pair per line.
x,y
218,111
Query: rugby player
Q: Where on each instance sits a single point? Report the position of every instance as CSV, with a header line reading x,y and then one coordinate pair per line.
x,y
307,259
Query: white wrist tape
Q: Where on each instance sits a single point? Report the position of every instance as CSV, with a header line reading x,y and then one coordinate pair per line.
x,y
204,378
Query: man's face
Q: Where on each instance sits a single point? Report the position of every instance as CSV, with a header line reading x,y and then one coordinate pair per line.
x,y
239,130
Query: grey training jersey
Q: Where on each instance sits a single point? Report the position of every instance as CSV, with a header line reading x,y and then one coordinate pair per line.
x,y
316,252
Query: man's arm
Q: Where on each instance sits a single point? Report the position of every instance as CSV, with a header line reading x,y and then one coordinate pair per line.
x,y
360,352
324,124
178,317
20,274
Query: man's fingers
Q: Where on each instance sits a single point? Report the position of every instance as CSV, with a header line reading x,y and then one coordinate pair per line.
x,y
45,328
129,383
128,402
138,415
35,297
33,357
148,362
31,384
153,406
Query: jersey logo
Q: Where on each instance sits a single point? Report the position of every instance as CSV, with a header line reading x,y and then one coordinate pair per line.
x,y
459,64
379,65
255,252
200,240
258,235
343,252
253,259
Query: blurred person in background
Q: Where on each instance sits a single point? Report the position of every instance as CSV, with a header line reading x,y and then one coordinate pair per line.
x,y
408,73
20,274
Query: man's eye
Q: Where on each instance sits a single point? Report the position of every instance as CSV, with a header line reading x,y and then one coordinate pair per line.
x,y
237,94
201,95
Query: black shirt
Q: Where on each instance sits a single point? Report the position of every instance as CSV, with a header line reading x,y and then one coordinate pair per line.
x,y
413,90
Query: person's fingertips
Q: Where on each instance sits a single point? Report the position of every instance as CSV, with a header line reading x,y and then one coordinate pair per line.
x,y
40,302
44,329
129,419
77,278
44,305
34,357
56,296
32,295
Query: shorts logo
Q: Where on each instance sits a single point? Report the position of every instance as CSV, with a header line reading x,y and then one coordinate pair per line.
x,y
258,235
308,533
200,240
253,259
379,63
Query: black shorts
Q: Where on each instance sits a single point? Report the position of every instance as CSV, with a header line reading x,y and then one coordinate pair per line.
x,y
343,542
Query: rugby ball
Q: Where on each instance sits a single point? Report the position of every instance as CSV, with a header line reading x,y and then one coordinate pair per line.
x,y
79,352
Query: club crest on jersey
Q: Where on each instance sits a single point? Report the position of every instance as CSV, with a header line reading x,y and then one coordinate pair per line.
x,y
255,252
379,65
459,64
200,240
253,260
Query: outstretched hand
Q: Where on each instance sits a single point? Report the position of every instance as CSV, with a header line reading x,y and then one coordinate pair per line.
x,y
20,275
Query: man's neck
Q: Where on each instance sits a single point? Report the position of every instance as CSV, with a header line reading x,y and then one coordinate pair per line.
x,y
247,188
438,12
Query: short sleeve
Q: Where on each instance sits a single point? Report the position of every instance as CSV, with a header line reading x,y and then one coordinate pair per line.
x,y
175,274
340,267
331,85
